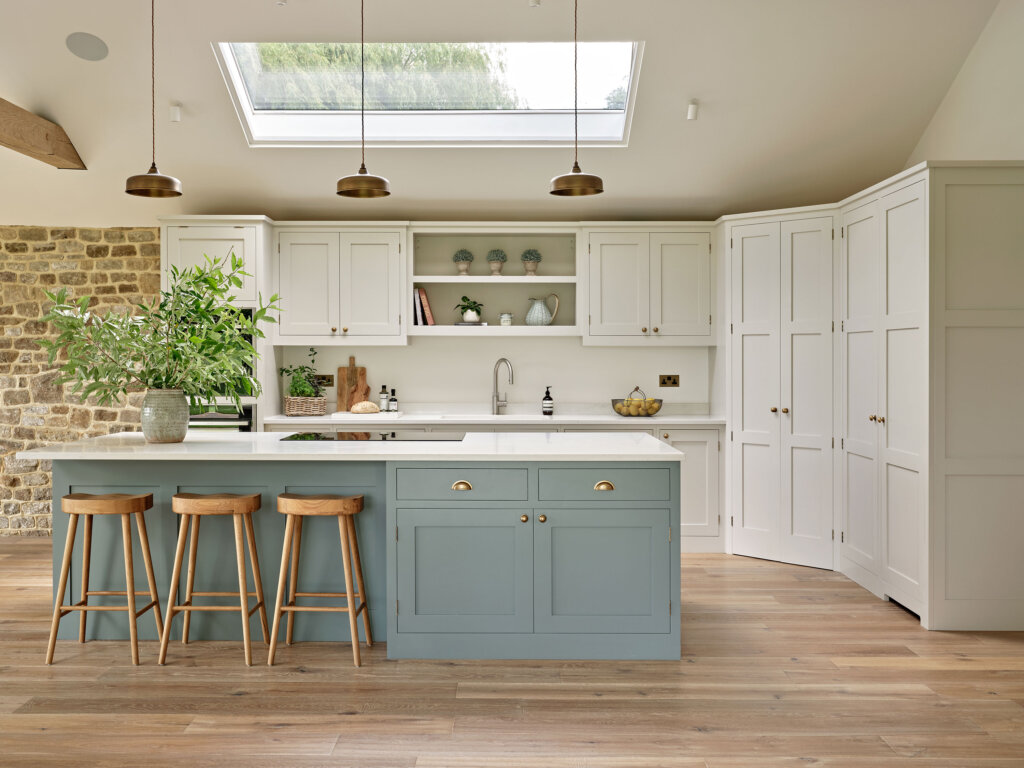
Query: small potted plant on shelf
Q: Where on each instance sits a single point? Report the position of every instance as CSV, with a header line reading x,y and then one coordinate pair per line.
x,y
305,392
191,343
462,259
496,260
530,258
470,310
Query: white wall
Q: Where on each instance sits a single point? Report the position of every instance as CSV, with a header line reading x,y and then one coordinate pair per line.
x,y
982,115
460,370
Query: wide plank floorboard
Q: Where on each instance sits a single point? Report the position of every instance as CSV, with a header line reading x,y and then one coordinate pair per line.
x,y
782,667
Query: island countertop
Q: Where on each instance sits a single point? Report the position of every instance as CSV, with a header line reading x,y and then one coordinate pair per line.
x,y
268,446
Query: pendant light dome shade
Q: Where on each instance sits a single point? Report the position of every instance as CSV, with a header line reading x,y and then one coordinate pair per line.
x,y
576,183
153,183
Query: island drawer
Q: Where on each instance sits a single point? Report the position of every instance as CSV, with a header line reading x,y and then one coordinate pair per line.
x,y
461,484
605,484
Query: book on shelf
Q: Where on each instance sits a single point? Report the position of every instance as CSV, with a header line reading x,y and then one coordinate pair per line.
x,y
417,309
425,304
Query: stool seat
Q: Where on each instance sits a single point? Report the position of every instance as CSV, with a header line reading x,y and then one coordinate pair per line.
x,y
215,503
106,503
318,504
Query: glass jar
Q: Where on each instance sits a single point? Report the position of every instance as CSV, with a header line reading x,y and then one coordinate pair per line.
x,y
505,318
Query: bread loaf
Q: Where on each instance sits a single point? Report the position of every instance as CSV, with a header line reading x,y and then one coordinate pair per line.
x,y
365,407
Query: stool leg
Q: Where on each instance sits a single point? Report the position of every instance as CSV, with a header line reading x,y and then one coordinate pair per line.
x,y
65,568
250,536
242,589
364,605
293,585
172,593
86,554
129,579
289,530
190,581
140,523
347,563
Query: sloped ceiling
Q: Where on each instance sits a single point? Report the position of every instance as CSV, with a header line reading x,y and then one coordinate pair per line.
x,y
802,101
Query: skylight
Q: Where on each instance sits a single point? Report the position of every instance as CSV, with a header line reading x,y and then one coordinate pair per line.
x,y
503,94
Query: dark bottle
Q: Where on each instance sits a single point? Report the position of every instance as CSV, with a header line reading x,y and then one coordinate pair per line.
x,y
382,398
547,405
393,402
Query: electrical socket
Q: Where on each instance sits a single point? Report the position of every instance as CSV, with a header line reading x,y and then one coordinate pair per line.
x,y
325,380
668,380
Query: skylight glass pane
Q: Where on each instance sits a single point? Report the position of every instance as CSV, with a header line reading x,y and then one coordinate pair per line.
x,y
433,77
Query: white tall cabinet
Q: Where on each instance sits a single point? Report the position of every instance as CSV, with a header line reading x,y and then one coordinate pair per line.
x,y
781,432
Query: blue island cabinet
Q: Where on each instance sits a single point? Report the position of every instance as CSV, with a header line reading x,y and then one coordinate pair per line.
x,y
558,560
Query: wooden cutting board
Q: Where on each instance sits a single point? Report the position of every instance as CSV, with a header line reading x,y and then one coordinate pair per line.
x,y
352,386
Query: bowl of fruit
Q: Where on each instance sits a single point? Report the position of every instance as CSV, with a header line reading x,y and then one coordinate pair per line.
x,y
631,405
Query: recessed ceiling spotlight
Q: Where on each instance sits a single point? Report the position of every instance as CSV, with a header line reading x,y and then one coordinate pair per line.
x,y
691,109
86,46
535,3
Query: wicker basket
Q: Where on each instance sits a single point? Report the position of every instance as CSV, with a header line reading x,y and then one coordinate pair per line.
x,y
305,406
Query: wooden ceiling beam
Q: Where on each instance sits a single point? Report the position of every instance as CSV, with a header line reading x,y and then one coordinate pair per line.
x,y
37,137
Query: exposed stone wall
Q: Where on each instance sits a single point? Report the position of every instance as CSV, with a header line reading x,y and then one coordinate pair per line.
x,y
117,267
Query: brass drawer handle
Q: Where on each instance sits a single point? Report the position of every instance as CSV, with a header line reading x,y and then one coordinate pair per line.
x,y
462,485
524,518
541,518
604,485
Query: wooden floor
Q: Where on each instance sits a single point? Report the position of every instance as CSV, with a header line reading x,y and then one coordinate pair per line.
x,y
782,666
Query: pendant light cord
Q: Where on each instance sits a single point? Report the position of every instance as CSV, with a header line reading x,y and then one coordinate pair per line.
x,y
152,71
575,85
362,82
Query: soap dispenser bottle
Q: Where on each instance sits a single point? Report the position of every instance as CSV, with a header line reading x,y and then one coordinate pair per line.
x,y
547,405
382,399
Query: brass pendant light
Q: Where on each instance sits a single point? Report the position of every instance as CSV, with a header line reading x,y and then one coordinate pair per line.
x,y
576,182
153,183
363,184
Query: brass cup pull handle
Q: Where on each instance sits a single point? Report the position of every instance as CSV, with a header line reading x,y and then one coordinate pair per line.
x,y
604,485
881,419
773,409
872,417
643,330
542,518
524,518
462,485
785,410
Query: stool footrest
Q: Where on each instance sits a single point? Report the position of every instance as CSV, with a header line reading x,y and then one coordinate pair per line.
x,y
220,594
183,608
354,595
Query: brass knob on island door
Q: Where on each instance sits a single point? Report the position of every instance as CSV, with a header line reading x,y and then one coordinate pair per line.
x,y
604,485
524,518
542,518
462,485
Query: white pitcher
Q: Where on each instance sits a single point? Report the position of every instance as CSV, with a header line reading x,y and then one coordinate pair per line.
x,y
538,313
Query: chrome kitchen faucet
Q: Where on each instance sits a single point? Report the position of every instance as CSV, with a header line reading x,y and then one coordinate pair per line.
x,y
496,401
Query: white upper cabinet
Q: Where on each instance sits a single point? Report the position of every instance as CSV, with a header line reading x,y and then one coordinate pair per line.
x,y
340,286
652,288
189,245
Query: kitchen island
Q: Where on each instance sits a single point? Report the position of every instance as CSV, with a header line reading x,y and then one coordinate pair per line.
x,y
521,545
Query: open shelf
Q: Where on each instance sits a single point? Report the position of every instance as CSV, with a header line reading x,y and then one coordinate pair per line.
x,y
494,330
494,279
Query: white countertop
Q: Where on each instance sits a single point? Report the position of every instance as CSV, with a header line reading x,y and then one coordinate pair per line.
x,y
450,415
267,446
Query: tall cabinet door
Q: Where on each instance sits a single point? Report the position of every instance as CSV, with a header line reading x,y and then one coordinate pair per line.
x,y
188,246
680,284
755,377
619,284
308,283
370,284
806,412
903,411
860,365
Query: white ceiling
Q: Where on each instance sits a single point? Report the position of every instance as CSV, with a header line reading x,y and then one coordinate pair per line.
x,y
802,101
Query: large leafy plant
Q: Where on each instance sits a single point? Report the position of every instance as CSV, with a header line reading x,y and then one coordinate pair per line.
x,y
191,337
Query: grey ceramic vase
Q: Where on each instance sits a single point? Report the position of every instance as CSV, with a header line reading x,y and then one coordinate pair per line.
x,y
164,416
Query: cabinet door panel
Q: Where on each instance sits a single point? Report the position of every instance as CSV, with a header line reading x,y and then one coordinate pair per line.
x,y
602,570
860,264
189,246
308,283
370,287
619,284
464,570
698,480
680,284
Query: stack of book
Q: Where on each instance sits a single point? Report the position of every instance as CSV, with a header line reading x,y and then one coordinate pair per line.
x,y
421,308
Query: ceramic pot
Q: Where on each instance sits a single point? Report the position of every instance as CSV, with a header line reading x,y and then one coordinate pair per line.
x,y
496,267
538,313
531,267
164,415
469,316
462,267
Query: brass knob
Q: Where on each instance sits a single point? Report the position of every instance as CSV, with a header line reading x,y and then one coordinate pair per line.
x,y
643,330
462,485
334,329
881,419
542,518
665,435
524,518
785,410
344,330
604,485
655,329
872,417
773,409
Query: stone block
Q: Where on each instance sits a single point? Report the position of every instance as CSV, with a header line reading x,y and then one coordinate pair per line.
x,y
62,234
45,388
16,247
151,249
72,278
128,288
97,251
102,414
90,235
45,247
141,236
16,466
31,233
123,251
113,236
15,396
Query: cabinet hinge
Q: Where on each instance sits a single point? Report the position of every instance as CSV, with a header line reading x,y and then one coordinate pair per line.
x,y
731,521
833,233
833,442
590,320
730,243
833,326
669,607
731,436
396,607
833,534
730,327
709,319
842,442
842,325
719,519
278,247
719,445
399,247
670,533
709,247
842,232
396,533
842,537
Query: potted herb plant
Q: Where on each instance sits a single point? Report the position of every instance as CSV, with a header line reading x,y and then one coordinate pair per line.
x,y
189,344
462,259
305,393
496,260
531,259
470,310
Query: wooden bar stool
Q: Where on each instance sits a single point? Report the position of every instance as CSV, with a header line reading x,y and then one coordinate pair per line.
x,y
345,508
193,507
87,505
